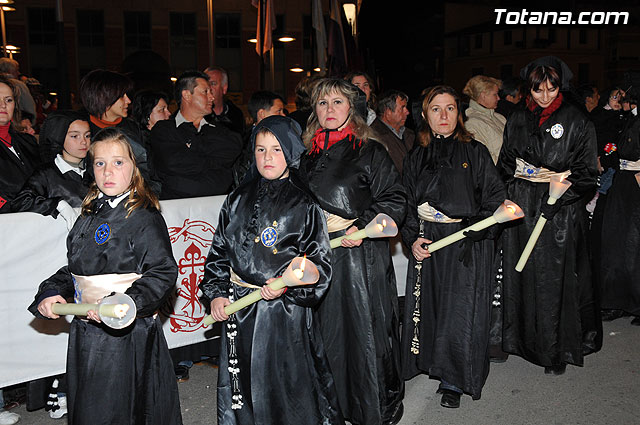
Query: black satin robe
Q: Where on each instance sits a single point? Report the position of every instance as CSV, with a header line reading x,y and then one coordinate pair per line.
x,y
359,315
460,180
550,309
120,376
15,170
46,187
284,375
620,250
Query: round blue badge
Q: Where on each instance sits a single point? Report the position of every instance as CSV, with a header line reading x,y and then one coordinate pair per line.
x,y
269,236
102,233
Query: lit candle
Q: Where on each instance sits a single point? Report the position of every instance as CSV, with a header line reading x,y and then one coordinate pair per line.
x,y
298,273
382,226
558,185
507,211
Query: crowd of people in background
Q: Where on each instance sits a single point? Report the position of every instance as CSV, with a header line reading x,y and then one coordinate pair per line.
x,y
349,153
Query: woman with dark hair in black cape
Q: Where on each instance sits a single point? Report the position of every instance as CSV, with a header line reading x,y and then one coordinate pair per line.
x,y
551,316
61,184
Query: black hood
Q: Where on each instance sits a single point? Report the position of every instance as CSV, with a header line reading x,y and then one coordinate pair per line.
x,y
287,131
563,69
53,132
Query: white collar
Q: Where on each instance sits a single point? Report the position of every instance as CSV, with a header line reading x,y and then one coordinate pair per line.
x,y
64,166
114,203
181,119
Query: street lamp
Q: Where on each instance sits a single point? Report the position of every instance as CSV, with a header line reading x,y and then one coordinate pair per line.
x,y
3,9
11,50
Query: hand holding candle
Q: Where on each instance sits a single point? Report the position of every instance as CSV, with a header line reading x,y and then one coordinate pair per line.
x,y
507,211
382,226
116,311
558,185
299,272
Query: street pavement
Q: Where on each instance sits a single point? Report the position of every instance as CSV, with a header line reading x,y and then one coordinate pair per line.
x,y
605,391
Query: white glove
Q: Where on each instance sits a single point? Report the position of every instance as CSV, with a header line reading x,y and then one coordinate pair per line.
x,y
67,212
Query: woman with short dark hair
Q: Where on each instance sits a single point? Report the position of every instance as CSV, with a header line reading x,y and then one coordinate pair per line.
x,y
104,96
147,109
550,314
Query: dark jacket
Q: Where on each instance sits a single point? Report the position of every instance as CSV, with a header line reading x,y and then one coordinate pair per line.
x,y
14,170
397,148
231,118
192,163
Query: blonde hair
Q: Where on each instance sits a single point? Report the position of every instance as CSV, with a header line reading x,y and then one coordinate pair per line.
x,y
140,195
325,87
460,133
480,84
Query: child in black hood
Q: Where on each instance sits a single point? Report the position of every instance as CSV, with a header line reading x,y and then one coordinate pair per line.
x,y
273,367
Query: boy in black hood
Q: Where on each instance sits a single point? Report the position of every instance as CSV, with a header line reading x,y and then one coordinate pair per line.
x,y
273,367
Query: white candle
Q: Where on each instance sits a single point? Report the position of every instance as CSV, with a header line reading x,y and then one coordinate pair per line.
x,y
291,277
557,187
380,227
507,211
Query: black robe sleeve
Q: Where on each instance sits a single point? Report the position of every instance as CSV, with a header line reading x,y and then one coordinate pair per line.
x,y
217,270
152,249
60,283
411,227
385,186
34,196
314,243
584,168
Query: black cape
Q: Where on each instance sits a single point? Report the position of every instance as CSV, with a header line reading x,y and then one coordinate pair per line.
x,y
284,376
550,309
620,250
359,315
460,180
46,187
120,376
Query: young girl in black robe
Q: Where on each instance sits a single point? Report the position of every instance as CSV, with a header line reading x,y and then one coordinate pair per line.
x,y
273,368
60,186
117,376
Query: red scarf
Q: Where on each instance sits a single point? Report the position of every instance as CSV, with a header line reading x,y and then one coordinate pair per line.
x,y
104,124
546,112
4,134
318,141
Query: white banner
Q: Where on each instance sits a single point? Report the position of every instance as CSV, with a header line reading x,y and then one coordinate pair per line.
x,y
33,247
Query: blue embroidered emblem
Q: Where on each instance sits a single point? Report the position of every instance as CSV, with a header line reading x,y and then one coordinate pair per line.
x,y
102,233
269,236
438,216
